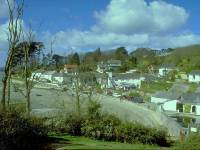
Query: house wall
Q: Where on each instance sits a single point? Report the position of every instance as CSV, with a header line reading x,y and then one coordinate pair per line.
x,y
197,109
170,105
136,82
47,77
58,79
158,100
194,78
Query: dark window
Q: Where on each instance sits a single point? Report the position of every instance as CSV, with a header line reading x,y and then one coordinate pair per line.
x,y
194,77
179,107
193,109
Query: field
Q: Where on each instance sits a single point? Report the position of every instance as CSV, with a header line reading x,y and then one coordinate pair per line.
x,y
72,142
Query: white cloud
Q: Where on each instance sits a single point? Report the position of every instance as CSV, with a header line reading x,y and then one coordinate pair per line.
x,y
179,40
90,39
137,16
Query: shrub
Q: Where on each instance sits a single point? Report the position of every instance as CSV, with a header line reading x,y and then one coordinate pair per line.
x,y
109,128
18,132
73,124
191,143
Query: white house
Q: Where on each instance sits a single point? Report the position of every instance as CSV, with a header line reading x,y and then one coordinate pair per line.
x,y
194,76
192,102
110,65
61,78
36,75
124,80
47,76
167,101
165,69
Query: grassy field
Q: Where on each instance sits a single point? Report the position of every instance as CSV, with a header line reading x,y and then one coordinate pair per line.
x,y
155,86
74,142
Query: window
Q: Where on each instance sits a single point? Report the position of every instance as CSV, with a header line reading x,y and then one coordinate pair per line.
x,y
194,109
193,76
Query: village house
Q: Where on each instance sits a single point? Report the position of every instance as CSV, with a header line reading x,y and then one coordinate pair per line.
x,y
166,101
47,76
194,76
36,75
124,80
43,76
101,67
70,68
165,69
61,78
189,103
110,65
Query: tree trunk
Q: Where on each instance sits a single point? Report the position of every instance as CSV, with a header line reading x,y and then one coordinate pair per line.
x,y
8,90
28,103
3,100
77,103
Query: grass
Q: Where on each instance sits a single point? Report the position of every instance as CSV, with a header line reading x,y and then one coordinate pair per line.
x,y
155,86
193,87
77,142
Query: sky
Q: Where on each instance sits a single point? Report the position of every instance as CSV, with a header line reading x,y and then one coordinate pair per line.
x,y
84,25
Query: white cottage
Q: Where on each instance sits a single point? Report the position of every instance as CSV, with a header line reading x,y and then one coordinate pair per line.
x,y
165,69
124,80
194,76
167,101
61,78
190,101
47,76
36,75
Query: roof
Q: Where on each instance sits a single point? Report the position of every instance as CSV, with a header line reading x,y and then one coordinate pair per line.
x,y
191,98
195,72
167,66
167,95
60,75
49,72
70,66
123,76
114,62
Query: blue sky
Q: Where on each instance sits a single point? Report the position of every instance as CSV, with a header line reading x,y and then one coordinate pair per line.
x,y
84,25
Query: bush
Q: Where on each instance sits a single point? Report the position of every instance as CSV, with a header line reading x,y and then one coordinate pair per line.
x,y
191,143
18,132
109,128
73,124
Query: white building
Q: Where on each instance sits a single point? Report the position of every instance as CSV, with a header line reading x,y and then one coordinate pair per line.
x,y
47,76
36,75
61,78
167,101
194,76
165,69
123,80
110,65
191,101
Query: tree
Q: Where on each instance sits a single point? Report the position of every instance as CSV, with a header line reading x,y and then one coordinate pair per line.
x,y
121,53
74,59
14,34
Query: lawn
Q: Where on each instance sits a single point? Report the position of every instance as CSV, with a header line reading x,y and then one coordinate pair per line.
x,y
155,86
74,142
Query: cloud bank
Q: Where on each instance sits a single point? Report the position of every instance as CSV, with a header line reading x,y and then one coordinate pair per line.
x,y
129,23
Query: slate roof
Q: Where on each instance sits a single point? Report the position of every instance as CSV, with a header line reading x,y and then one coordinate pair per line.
x,y
191,98
118,62
167,66
123,76
60,75
195,72
167,95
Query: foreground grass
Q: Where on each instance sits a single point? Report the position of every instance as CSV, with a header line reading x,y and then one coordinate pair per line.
x,y
65,142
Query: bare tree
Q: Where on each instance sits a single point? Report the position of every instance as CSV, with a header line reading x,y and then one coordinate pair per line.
x,y
14,34
77,86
